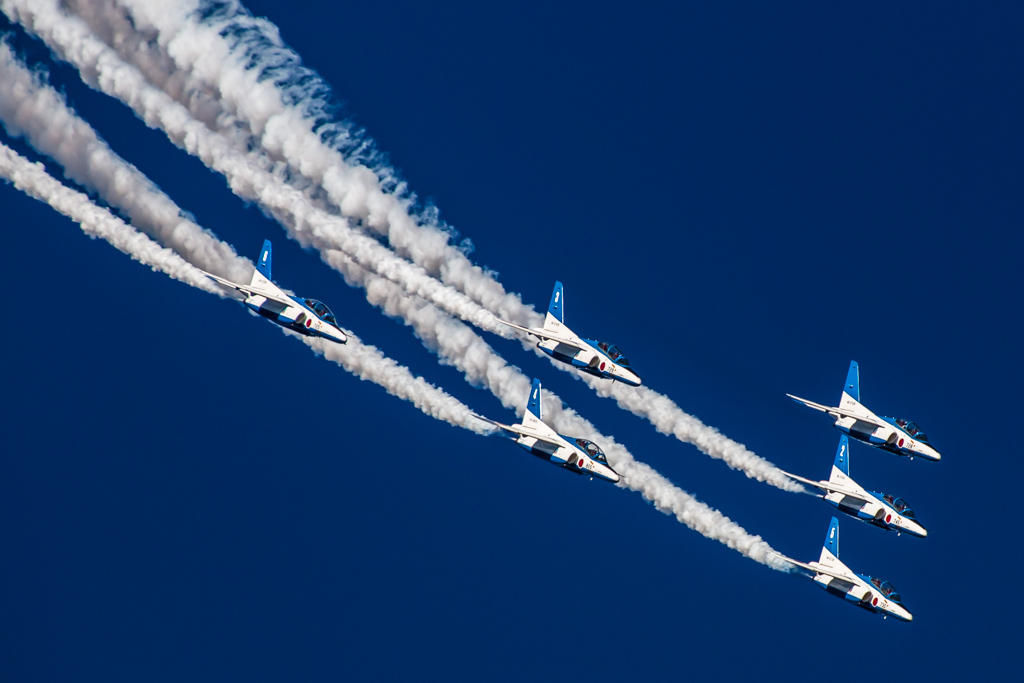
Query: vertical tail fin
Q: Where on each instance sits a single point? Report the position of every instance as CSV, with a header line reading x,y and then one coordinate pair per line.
x,y
556,309
262,265
852,386
531,417
842,462
831,546
534,405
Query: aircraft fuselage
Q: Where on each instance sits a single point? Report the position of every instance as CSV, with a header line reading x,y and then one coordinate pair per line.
x,y
296,317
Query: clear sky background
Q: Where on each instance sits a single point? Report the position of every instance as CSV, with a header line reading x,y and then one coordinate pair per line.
x,y
743,197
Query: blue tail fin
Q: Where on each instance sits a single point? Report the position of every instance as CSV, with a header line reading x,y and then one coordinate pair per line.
x,y
852,386
555,308
842,462
832,540
534,405
263,264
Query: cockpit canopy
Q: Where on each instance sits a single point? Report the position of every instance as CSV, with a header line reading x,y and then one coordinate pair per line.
x,y
898,504
592,449
887,590
912,429
322,311
614,353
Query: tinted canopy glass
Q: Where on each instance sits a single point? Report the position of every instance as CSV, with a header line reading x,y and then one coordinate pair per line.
x,y
592,449
912,429
614,352
322,311
898,504
887,589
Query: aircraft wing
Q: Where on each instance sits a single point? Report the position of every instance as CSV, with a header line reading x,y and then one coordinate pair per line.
x,y
870,419
819,569
519,430
543,334
246,289
818,484
826,486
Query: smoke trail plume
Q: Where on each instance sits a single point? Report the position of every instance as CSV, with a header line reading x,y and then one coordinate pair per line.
x,y
455,342
70,38
363,361
216,66
235,74
33,180
31,108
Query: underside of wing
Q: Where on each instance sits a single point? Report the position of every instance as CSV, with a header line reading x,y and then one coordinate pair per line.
x,y
817,568
850,493
249,291
519,430
541,334
819,484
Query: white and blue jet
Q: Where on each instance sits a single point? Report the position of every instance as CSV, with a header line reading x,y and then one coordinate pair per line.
x,y
895,435
868,592
878,509
574,454
305,316
599,359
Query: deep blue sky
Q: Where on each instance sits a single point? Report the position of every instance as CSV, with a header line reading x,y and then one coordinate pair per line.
x,y
743,197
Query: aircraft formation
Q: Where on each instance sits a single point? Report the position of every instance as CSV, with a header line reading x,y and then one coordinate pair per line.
x,y
583,457
881,510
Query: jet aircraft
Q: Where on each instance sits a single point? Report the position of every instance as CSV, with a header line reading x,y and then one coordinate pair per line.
x,y
305,316
868,592
574,454
898,436
878,509
599,359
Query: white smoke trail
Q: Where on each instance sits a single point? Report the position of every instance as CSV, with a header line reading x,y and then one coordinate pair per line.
x,y
227,54
33,180
72,39
460,346
364,361
224,59
670,419
31,108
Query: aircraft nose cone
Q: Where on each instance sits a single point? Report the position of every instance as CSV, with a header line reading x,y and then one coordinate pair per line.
x,y
610,474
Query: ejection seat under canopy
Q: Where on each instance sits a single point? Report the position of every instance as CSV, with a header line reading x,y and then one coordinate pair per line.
x,y
898,504
614,353
591,449
887,590
322,311
912,429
